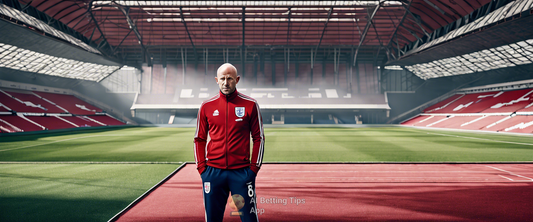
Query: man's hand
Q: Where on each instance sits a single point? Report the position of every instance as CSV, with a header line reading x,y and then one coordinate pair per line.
x,y
255,169
201,169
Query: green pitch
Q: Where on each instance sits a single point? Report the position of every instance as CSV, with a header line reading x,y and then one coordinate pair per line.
x,y
73,192
39,191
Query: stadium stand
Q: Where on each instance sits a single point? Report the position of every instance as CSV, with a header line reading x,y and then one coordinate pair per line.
x,y
487,102
51,122
107,120
19,124
415,120
455,122
509,122
29,105
481,122
526,109
524,125
82,121
443,104
32,100
3,108
431,121
6,127
25,111
267,96
70,103
16,123
499,110
510,101
279,105
271,97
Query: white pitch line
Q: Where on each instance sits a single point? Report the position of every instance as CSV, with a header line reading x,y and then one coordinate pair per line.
x,y
509,172
514,180
467,137
506,177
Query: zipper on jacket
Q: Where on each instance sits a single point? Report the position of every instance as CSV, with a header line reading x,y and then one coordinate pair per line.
x,y
226,132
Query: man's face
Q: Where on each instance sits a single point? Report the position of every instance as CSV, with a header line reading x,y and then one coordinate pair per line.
x,y
227,80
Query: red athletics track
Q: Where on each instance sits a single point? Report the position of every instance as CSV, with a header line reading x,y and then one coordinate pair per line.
x,y
360,192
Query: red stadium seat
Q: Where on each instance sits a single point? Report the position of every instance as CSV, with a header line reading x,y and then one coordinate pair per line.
x,y
82,121
489,111
455,122
51,122
33,110
110,121
70,103
510,101
415,120
442,104
4,109
19,105
6,127
30,99
21,123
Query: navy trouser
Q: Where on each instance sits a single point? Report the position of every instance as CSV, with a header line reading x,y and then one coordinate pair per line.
x,y
217,185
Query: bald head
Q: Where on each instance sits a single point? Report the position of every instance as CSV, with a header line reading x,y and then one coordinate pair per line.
x,y
227,78
224,68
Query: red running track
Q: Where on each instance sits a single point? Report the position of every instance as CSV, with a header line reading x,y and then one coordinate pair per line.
x,y
360,192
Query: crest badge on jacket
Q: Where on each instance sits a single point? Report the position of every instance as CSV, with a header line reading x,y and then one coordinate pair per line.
x,y
239,111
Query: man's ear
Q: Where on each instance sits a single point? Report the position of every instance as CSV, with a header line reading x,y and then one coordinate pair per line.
x,y
216,80
237,80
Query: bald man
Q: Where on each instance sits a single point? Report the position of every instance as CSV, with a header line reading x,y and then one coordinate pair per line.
x,y
224,163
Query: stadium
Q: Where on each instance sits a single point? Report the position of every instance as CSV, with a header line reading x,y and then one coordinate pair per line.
x,y
377,110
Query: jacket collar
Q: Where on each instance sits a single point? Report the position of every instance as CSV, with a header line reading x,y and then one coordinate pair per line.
x,y
230,96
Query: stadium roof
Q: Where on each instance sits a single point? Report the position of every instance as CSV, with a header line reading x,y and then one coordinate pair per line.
x,y
26,60
405,30
520,53
150,26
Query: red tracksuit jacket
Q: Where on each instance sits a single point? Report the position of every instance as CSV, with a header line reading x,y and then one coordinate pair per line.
x,y
229,120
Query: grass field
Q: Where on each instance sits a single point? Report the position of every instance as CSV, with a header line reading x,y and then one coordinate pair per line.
x,y
72,189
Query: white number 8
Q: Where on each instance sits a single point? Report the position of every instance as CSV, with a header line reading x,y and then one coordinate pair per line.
x,y
250,190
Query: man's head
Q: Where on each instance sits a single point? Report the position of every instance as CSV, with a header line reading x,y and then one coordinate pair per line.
x,y
227,78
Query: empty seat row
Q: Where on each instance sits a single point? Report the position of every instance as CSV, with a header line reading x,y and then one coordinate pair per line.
x,y
502,111
22,123
486,102
43,102
498,123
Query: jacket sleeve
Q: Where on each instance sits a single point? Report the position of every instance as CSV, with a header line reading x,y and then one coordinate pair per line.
x,y
258,136
200,140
